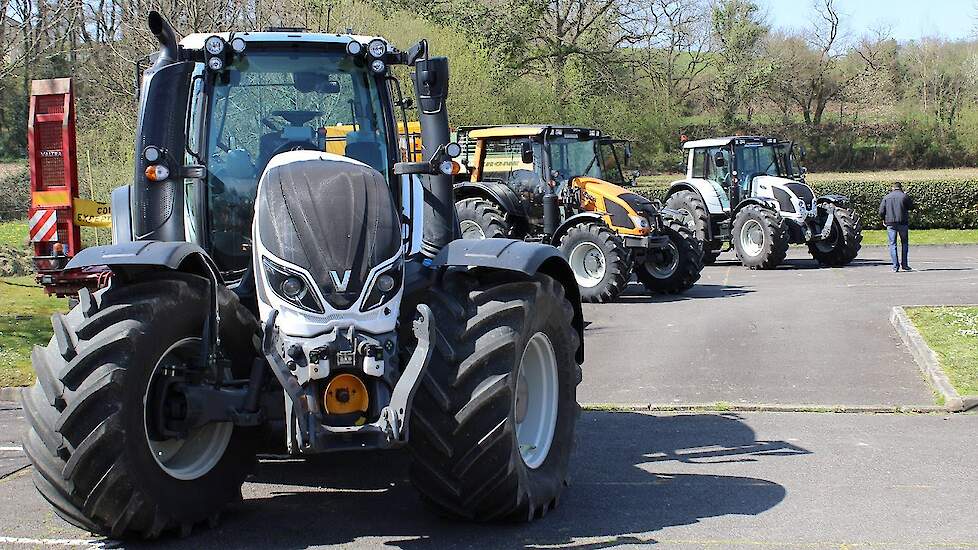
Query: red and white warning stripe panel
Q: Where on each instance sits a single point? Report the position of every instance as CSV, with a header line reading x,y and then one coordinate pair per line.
x,y
44,226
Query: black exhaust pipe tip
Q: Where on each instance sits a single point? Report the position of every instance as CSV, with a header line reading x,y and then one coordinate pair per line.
x,y
165,34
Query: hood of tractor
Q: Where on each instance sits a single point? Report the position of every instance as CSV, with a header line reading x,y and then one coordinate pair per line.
x,y
787,192
627,212
329,215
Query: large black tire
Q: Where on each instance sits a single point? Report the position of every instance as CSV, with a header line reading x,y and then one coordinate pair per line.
x,y
843,243
467,462
690,203
477,216
617,264
87,438
770,227
678,268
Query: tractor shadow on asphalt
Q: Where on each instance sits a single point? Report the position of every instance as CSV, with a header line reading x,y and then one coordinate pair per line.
x,y
794,264
635,293
632,475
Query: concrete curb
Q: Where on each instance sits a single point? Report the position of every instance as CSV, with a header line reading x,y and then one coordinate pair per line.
x,y
760,407
927,360
10,394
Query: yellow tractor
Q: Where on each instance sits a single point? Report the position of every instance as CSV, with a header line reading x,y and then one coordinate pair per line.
x,y
564,186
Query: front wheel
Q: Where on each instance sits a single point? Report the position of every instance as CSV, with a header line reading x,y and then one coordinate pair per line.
x,y
97,440
599,260
760,237
492,426
675,268
844,241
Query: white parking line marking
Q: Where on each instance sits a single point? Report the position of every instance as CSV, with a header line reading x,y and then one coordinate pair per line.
x,y
17,449
53,542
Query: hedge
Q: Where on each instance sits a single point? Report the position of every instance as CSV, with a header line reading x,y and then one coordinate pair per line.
x,y
941,204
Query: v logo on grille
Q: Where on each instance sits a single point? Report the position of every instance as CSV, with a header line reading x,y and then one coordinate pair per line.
x,y
340,283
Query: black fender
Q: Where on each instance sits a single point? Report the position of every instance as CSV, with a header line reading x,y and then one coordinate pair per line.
x,y
521,256
571,222
838,200
769,204
499,193
128,256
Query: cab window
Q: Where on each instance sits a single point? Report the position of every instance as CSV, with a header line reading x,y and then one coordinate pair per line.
x,y
503,162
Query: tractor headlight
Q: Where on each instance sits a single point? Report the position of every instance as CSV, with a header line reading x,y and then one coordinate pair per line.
x,y
640,221
291,286
377,48
215,63
238,45
152,153
354,48
377,66
384,287
214,45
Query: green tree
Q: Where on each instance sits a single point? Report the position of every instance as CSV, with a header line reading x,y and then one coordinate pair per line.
x,y
741,70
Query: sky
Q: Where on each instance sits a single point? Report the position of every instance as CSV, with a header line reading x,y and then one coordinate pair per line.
x,y
906,19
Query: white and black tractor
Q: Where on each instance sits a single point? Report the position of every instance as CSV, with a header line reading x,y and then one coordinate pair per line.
x,y
749,192
262,284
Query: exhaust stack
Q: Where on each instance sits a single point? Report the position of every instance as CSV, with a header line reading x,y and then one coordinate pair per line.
x,y
166,35
431,88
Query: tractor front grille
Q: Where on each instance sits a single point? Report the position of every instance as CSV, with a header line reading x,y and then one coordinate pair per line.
x,y
803,192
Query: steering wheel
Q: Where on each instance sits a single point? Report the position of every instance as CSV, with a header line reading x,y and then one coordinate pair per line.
x,y
298,118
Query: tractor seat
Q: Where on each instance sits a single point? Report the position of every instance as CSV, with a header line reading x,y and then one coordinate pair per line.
x,y
362,145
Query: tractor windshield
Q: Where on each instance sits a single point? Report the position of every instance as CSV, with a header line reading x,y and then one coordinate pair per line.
x,y
759,159
271,102
572,157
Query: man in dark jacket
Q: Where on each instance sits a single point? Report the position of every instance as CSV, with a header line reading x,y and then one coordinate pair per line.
x,y
895,211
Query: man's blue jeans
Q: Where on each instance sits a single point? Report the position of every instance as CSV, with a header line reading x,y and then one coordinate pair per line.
x,y
902,230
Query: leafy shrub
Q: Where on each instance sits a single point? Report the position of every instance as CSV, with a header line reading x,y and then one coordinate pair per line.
x,y
15,261
941,204
15,193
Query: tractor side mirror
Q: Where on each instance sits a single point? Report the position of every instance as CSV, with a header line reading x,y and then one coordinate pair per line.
x,y
628,154
718,160
801,152
526,153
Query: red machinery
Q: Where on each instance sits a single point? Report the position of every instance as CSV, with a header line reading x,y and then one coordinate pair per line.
x,y
55,236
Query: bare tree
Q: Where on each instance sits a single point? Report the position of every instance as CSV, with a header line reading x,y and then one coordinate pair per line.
x,y
818,67
670,49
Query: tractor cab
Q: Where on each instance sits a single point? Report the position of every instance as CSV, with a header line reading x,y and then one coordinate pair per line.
x,y
269,99
536,160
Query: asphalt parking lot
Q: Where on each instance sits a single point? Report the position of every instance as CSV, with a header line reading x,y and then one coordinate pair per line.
x,y
756,480
796,335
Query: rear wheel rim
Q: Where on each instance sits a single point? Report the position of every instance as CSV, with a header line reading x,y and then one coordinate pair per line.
x,y
471,230
663,263
536,400
752,238
588,263
196,455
